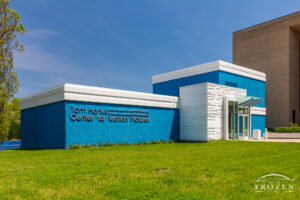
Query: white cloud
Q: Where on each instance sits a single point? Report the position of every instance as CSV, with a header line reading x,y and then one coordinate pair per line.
x,y
36,59
50,69
41,34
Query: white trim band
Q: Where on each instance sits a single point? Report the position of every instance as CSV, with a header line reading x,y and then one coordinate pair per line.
x,y
209,67
258,111
83,93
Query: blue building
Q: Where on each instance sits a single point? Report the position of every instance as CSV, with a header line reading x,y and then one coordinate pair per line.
x,y
75,114
212,101
239,114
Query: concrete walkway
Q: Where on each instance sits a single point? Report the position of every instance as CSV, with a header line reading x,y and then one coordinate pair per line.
x,y
276,140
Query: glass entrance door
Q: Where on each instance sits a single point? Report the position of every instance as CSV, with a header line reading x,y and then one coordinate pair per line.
x,y
243,122
238,121
232,120
243,125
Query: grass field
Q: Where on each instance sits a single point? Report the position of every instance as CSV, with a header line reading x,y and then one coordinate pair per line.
x,y
214,170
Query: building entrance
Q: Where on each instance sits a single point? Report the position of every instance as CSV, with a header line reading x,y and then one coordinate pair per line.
x,y
239,121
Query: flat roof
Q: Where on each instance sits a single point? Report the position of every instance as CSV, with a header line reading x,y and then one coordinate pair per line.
x,y
218,65
83,93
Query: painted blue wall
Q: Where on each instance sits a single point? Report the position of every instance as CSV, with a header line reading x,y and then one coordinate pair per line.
x,y
172,87
163,125
254,87
258,122
50,126
43,126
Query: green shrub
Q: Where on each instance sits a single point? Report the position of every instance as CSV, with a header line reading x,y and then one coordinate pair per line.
x,y
294,128
78,146
86,146
293,124
171,141
74,146
155,142
102,144
124,144
164,141
288,129
270,130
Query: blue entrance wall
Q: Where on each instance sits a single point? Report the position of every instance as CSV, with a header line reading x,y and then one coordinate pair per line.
x,y
254,88
43,126
172,87
163,125
258,122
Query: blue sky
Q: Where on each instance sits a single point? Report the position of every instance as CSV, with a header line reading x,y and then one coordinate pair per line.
x,y
122,44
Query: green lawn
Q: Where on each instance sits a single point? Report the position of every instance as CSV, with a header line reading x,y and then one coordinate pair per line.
x,y
214,170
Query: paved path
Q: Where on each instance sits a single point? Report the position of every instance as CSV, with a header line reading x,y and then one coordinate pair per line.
x,y
276,140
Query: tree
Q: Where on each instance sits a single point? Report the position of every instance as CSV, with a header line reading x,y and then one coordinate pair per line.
x,y
10,28
15,119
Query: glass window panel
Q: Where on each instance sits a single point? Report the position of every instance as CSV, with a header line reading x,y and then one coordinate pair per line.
x,y
241,125
246,125
236,126
231,119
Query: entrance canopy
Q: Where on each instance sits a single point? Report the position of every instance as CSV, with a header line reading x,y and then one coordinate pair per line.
x,y
249,101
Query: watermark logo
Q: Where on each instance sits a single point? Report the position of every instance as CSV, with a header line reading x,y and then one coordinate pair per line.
x,y
274,183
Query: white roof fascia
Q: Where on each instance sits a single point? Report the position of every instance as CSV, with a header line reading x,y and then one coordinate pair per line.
x,y
73,92
209,67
